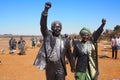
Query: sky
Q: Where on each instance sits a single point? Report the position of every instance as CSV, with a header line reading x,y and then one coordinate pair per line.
x,y
22,17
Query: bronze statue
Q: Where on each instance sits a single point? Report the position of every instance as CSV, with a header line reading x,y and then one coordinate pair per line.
x,y
55,47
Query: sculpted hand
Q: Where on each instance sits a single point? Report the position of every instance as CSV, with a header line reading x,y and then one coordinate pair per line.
x,y
103,21
47,5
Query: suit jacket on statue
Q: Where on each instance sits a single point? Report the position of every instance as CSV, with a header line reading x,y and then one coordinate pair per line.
x,y
49,43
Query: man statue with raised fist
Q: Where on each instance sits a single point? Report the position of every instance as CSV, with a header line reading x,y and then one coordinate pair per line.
x,y
55,47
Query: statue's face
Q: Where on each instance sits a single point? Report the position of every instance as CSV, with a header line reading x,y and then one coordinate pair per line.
x,y
85,37
57,29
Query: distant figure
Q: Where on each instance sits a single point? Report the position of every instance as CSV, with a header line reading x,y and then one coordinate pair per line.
x,y
114,45
67,39
21,46
71,42
15,44
33,42
84,52
74,40
12,45
118,42
55,47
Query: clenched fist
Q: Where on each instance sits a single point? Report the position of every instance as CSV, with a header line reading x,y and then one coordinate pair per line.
x,y
47,5
103,21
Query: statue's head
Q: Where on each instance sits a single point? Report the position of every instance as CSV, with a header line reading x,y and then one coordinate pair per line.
x,y
85,34
56,28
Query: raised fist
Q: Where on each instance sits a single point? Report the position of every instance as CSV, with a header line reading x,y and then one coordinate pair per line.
x,y
47,5
103,21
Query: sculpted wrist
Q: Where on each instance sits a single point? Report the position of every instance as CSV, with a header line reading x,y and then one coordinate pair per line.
x,y
45,13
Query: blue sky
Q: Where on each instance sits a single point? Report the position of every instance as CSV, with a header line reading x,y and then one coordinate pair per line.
x,y
22,16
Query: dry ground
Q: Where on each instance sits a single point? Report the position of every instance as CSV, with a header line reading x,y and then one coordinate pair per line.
x,y
16,67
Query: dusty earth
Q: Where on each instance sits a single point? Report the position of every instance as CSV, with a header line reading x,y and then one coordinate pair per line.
x,y
16,67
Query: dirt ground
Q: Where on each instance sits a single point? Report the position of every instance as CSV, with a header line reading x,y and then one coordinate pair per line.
x,y
16,67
